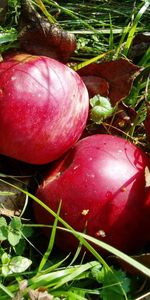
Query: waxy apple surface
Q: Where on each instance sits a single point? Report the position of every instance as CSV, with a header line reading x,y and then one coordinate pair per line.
x,y
102,188
43,108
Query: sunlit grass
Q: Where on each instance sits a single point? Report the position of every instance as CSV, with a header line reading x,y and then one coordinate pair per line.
x,y
104,30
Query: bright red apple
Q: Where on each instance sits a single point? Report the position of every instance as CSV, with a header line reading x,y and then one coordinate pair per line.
x,y
101,183
43,108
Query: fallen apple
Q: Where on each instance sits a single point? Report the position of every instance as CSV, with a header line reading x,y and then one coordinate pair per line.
x,y
43,108
147,122
103,191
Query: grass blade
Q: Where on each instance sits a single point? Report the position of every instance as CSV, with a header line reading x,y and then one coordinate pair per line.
x,y
65,224
69,12
90,61
7,37
134,263
7,292
51,242
41,5
75,275
134,26
111,36
83,238
145,59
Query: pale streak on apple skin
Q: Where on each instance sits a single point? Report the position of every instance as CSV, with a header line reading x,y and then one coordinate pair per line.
x,y
50,179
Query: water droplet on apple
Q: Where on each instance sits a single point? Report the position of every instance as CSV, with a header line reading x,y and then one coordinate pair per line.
x,y
76,167
100,233
13,78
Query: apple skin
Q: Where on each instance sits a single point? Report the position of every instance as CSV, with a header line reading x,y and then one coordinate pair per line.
x,y
43,108
147,122
102,189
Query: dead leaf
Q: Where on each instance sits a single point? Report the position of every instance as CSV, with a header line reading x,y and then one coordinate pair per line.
x,y
38,36
39,295
22,286
140,44
96,85
118,75
12,201
124,117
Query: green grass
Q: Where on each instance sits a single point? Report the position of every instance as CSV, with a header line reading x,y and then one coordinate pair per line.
x,y
104,30
65,281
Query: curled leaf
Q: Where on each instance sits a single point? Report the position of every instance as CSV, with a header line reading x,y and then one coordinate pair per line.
x,y
101,109
118,74
39,36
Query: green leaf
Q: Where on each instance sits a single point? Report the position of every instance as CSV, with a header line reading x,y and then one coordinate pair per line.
x,y
5,258
19,264
15,223
8,36
3,222
20,247
14,237
101,109
14,233
115,283
3,229
5,270
5,261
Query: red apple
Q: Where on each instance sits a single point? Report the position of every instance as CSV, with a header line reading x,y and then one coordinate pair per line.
x,y
43,108
101,183
147,122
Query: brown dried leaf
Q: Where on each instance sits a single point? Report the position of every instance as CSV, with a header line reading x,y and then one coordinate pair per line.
x,y
96,85
118,74
140,44
38,36
39,295
12,201
22,286
124,117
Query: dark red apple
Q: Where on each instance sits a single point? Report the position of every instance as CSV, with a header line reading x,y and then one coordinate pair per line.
x,y
43,108
147,122
101,183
